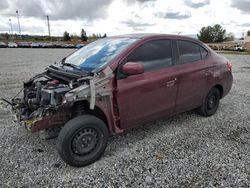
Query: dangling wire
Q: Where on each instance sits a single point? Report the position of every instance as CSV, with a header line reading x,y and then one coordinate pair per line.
x,y
17,93
10,102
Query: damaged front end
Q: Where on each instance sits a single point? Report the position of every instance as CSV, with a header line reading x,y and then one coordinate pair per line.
x,y
50,99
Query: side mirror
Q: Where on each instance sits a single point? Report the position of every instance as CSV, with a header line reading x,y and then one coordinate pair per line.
x,y
133,68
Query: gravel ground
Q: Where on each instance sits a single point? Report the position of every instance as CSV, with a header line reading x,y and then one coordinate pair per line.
x,y
183,151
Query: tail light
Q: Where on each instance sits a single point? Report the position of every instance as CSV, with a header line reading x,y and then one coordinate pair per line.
x,y
229,66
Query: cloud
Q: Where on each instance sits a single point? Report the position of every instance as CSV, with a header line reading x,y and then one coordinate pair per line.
x,y
3,4
243,5
61,10
31,8
244,25
4,25
174,15
83,9
35,29
139,1
193,4
143,1
123,16
136,25
4,28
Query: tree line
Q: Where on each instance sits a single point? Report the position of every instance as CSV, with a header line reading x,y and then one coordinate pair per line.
x,y
83,36
66,37
208,34
216,34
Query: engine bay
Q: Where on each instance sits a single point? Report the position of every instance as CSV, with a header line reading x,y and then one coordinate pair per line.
x,y
51,98
42,92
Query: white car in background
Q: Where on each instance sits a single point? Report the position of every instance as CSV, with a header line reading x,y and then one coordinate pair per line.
x,y
35,45
12,45
3,45
239,48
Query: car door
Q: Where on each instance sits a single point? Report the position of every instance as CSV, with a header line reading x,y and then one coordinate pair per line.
x,y
194,74
152,94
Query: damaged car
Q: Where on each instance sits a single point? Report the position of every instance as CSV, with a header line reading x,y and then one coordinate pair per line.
x,y
117,83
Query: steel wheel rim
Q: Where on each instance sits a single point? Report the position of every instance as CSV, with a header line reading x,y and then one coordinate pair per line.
x,y
212,102
85,141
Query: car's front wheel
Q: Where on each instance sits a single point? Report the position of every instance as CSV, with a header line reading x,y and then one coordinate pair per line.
x,y
82,140
210,103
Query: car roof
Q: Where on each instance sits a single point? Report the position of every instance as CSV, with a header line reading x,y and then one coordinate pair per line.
x,y
151,35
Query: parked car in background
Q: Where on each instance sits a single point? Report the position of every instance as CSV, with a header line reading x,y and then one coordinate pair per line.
x,y
24,44
35,45
56,45
117,83
68,46
3,45
12,45
239,48
45,45
79,45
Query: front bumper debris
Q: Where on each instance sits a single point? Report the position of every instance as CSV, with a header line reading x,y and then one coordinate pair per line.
x,y
46,122
35,124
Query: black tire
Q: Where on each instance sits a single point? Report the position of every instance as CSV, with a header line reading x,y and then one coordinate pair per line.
x,y
210,103
82,140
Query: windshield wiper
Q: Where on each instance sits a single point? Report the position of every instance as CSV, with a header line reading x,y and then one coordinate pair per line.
x,y
75,66
71,65
63,59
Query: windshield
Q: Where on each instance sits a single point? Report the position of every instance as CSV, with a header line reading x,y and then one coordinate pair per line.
x,y
99,53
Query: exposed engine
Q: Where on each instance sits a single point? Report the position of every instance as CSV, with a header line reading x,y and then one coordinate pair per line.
x,y
44,91
41,95
50,99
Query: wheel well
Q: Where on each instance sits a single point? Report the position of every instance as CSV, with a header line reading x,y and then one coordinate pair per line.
x,y
81,107
220,88
98,113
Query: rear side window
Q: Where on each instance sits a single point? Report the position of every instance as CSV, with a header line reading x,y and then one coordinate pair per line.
x,y
153,55
188,52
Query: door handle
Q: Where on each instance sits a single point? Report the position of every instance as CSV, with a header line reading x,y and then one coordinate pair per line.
x,y
171,83
208,73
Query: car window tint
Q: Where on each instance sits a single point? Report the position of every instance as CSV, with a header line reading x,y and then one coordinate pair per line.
x,y
204,53
153,55
188,52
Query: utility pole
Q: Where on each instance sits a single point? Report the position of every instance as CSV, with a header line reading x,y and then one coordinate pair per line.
x,y
48,26
11,29
19,24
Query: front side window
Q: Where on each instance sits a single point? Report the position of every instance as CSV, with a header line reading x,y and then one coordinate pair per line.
x,y
188,52
99,53
204,53
153,55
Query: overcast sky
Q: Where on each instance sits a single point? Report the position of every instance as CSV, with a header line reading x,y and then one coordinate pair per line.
x,y
124,16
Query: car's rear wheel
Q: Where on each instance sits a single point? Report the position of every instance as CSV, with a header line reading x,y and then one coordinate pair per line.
x,y
82,140
210,103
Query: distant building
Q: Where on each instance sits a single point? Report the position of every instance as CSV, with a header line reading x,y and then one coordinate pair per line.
x,y
236,45
247,43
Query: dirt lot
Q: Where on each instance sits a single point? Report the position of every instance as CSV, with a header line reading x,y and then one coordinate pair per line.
x,y
184,151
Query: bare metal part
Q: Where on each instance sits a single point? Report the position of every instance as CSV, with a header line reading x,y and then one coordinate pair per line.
x,y
90,91
92,94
